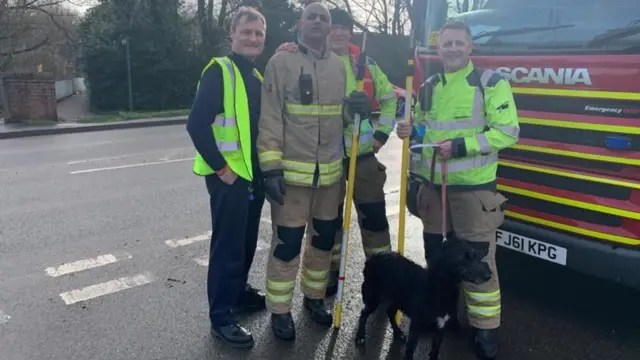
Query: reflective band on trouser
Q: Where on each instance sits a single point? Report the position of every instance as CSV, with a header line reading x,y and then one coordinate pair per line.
x,y
335,252
315,110
370,251
302,173
280,292
314,281
483,304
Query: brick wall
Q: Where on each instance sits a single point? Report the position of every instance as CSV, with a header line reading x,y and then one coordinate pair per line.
x,y
31,98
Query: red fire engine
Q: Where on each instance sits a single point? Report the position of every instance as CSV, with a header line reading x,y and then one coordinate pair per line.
x,y
573,179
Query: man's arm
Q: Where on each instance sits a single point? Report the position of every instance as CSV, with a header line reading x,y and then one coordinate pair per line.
x,y
386,96
206,105
502,118
270,126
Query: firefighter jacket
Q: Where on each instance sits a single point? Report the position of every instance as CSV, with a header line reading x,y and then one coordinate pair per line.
x,y
380,92
231,129
475,109
300,131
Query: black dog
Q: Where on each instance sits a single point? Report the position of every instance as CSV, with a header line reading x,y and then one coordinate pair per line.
x,y
429,297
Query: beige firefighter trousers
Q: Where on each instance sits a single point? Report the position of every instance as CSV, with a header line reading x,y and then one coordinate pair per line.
x,y
303,207
368,193
473,215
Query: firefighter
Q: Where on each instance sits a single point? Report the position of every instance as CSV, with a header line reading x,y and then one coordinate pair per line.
x,y
228,102
300,149
371,176
471,114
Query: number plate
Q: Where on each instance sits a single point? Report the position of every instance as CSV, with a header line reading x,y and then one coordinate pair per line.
x,y
532,247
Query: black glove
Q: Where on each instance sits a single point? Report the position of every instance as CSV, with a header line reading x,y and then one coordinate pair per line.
x,y
274,186
358,103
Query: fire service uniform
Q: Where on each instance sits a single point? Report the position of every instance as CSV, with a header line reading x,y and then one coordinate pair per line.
x,y
475,109
368,192
300,151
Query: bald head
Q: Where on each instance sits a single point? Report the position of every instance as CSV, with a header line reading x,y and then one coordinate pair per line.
x,y
315,24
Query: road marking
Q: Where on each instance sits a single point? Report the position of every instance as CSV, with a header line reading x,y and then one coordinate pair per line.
x,y
106,288
174,150
128,166
85,264
187,241
4,318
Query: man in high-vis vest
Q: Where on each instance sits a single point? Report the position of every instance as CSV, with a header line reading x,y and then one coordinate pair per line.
x,y
300,149
470,112
223,125
371,176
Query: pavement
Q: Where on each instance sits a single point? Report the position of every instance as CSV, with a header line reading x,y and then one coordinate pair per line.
x,y
103,245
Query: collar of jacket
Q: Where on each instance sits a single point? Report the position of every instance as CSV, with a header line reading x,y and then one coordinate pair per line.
x,y
458,74
242,62
324,54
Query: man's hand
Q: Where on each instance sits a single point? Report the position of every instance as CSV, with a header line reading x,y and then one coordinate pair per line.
x,y
227,175
288,47
404,129
358,103
274,187
445,150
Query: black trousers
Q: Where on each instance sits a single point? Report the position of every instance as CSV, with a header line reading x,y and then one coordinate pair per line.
x,y
235,221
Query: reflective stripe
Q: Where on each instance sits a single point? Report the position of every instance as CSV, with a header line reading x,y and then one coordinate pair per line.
x,y
455,165
463,124
389,96
316,110
512,131
387,120
220,120
370,251
483,142
485,311
226,146
364,138
280,292
267,156
314,279
483,297
307,168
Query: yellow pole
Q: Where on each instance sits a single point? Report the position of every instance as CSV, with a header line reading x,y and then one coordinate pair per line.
x,y
404,167
337,316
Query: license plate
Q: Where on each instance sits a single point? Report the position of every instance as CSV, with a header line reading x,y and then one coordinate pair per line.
x,y
532,247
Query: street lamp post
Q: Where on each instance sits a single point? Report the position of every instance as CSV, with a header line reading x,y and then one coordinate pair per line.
x,y
126,42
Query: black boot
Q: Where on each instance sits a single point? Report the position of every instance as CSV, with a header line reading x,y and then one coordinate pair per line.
x,y
251,300
234,335
485,344
283,326
318,311
332,283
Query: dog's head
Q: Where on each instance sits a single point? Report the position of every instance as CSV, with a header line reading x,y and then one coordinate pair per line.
x,y
463,261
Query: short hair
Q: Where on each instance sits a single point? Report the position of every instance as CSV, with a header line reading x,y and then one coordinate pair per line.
x,y
251,13
456,25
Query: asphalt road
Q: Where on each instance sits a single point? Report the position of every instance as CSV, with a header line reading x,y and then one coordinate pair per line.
x,y
100,259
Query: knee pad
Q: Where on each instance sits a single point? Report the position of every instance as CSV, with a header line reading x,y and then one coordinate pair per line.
x,y
480,247
326,230
340,219
291,239
375,218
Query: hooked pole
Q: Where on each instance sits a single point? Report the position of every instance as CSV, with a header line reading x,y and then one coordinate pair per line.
x,y
360,72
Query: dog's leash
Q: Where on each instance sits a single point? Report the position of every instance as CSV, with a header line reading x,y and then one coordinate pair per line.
x,y
443,193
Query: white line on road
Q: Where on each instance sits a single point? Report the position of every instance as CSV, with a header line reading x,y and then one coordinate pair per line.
x,y
106,288
174,150
85,264
174,243
4,317
128,166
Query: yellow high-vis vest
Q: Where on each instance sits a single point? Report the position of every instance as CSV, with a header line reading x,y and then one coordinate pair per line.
x,y
231,129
